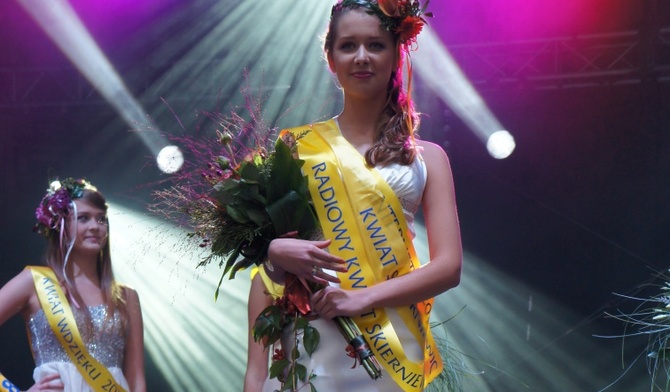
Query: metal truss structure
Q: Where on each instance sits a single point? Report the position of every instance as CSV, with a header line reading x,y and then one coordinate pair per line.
x,y
582,61
602,60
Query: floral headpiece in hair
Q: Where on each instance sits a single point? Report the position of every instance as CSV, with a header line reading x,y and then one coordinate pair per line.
x,y
402,17
56,204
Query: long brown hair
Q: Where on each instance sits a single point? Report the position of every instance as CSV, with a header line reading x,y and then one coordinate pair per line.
x,y
57,252
399,120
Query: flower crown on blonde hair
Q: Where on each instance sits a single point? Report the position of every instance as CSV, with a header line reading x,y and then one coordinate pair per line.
x,y
401,17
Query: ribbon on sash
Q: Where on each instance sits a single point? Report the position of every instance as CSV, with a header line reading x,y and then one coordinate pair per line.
x,y
62,322
359,211
6,385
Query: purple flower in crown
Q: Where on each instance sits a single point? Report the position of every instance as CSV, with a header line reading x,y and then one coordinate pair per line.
x,y
56,204
60,201
53,207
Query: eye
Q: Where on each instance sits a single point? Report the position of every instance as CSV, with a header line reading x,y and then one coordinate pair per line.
x,y
346,46
84,218
377,46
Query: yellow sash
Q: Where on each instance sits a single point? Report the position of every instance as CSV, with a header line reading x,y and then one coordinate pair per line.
x,y
62,322
361,214
275,290
7,386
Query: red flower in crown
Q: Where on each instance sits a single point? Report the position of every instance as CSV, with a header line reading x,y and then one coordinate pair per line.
x,y
409,28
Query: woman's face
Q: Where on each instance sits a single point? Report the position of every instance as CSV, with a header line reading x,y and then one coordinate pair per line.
x,y
91,228
363,55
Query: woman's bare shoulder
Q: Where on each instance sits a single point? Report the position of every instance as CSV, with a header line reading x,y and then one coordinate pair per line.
x,y
432,152
18,296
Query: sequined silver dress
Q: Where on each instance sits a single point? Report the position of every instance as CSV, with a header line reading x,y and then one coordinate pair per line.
x,y
106,343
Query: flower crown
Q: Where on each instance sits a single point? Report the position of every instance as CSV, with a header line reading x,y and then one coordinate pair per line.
x,y
56,204
402,17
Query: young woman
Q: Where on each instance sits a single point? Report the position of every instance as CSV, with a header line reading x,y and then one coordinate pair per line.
x,y
85,329
368,175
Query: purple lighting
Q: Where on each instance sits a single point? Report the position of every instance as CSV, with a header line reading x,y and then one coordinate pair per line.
x,y
465,21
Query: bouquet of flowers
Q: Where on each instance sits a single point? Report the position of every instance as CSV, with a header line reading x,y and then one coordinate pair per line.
x,y
237,198
239,192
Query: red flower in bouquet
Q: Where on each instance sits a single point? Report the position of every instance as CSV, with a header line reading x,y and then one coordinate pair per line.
x,y
298,294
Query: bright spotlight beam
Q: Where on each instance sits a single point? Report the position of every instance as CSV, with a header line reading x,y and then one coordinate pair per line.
x,y
197,344
60,22
437,67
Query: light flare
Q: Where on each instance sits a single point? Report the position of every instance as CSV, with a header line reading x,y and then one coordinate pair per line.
x,y
60,22
435,65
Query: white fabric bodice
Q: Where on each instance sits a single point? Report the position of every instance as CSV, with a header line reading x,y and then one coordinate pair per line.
x,y
408,183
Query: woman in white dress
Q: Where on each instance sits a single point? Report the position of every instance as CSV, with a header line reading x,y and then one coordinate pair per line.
x,y
368,175
99,320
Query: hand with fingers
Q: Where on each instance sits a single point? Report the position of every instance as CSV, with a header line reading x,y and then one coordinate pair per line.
x,y
305,259
50,383
332,301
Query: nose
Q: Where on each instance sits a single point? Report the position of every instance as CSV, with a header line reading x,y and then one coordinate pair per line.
x,y
361,56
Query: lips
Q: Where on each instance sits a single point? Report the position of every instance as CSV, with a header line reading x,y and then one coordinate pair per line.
x,y
362,75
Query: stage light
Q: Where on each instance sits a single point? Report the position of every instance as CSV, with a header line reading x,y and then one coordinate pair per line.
x,y
170,159
61,24
439,70
500,144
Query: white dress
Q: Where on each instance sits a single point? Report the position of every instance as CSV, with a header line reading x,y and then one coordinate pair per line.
x,y
107,346
330,362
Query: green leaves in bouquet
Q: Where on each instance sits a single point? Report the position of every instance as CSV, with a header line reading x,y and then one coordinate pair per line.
x,y
289,207
269,324
268,329
277,368
265,198
249,228
285,174
310,336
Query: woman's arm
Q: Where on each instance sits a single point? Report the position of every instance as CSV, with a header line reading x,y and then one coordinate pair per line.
x,y
133,360
18,296
257,355
441,273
